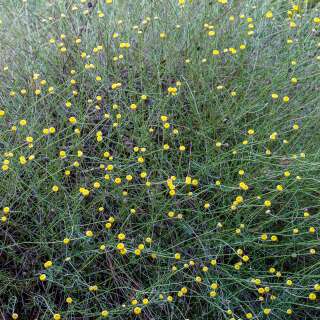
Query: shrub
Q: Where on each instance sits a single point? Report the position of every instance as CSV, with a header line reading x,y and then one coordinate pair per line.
x,y
160,159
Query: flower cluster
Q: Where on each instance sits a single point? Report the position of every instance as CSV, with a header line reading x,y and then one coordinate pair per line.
x,y
160,160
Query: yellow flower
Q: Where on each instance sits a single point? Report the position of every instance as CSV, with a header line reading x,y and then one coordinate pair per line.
x,y
22,160
177,256
23,122
72,120
269,14
172,91
124,45
264,237
96,185
89,233
52,130
266,311
85,192
279,187
317,287
267,203
69,300
121,236
295,126
213,293
286,99
104,313
245,258
137,310
243,186
42,277
312,296
273,136
274,238
93,288
62,154
166,147
294,80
